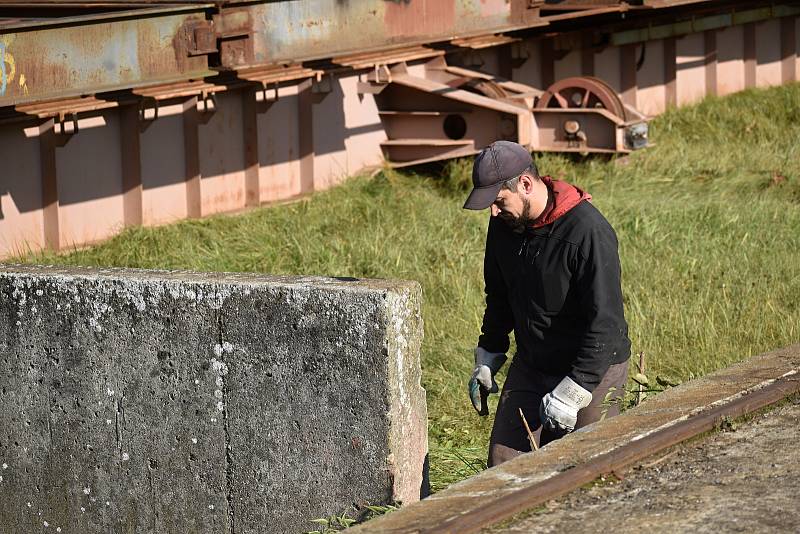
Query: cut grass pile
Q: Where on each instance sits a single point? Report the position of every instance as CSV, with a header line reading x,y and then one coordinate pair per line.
x,y
708,221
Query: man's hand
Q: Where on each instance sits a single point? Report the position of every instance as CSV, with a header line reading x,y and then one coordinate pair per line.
x,y
482,381
559,408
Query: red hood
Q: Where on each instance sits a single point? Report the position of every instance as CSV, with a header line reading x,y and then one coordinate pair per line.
x,y
565,197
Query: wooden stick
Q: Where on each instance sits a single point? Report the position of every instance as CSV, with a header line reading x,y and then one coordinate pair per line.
x,y
641,387
531,438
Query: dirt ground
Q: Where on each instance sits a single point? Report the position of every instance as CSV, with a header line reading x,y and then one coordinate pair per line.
x,y
743,479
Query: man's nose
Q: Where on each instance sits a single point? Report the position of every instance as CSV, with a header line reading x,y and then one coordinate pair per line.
x,y
495,210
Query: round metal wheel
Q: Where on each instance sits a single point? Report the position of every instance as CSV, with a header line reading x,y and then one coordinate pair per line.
x,y
582,92
479,86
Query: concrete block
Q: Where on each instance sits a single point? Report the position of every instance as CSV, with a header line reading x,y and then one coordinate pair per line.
x,y
176,402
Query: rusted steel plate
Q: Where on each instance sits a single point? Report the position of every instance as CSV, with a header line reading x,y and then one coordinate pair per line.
x,y
278,73
298,30
386,57
87,55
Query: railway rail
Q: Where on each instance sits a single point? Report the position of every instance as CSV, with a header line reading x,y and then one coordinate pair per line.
x,y
670,418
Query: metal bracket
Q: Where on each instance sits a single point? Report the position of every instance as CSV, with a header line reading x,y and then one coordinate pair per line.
x,y
143,106
472,58
60,130
382,74
208,107
202,40
377,80
267,100
519,54
264,96
205,98
322,84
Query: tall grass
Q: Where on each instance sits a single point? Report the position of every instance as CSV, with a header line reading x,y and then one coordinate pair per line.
x,y
708,221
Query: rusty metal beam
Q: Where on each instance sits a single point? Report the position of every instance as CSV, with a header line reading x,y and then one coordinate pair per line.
x,y
48,59
50,204
483,41
547,62
710,61
788,49
749,45
250,145
670,72
570,15
305,129
524,499
191,148
301,30
386,57
131,166
731,16
276,74
627,69
587,55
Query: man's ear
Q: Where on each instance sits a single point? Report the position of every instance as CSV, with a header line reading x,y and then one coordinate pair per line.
x,y
526,182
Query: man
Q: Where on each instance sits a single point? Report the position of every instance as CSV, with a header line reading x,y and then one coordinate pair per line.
x,y
552,274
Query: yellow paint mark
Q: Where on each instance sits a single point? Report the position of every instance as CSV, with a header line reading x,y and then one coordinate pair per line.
x,y
8,69
12,67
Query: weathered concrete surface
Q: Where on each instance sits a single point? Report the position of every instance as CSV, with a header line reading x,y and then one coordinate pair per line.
x,y
661,411
174,402
742,480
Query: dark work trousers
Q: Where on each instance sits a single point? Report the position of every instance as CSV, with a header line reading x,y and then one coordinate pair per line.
x,y
524,388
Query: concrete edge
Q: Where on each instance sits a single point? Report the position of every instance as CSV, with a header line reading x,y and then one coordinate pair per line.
x,y
191,277
658,412
408,435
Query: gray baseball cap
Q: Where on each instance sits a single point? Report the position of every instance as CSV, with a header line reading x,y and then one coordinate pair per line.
x,y
497,163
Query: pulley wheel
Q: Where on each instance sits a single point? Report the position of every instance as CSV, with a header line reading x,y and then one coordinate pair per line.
x,y
479,86
582,92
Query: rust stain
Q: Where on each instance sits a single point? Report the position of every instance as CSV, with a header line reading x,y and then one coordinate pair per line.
x,y
413,18
86,58
236,30
493,7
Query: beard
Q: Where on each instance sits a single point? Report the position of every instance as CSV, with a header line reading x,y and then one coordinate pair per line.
x,y
520,223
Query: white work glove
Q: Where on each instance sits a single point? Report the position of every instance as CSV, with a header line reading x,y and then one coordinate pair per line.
x,y
559,408
482,381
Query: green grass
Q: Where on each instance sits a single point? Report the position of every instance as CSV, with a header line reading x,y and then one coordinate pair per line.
x,y
708,221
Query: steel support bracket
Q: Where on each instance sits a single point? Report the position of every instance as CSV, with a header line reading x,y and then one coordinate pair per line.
x,y
206,106
62,134
519,54
322,84
234,32
148,103
201,38
269,95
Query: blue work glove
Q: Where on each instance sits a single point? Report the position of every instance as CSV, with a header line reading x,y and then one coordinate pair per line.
x,y
559,408
482,381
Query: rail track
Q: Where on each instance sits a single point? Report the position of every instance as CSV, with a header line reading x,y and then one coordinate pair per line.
x,y
669,419
537,494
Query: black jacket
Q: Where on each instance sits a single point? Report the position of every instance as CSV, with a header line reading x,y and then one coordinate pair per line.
x,y
558,287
